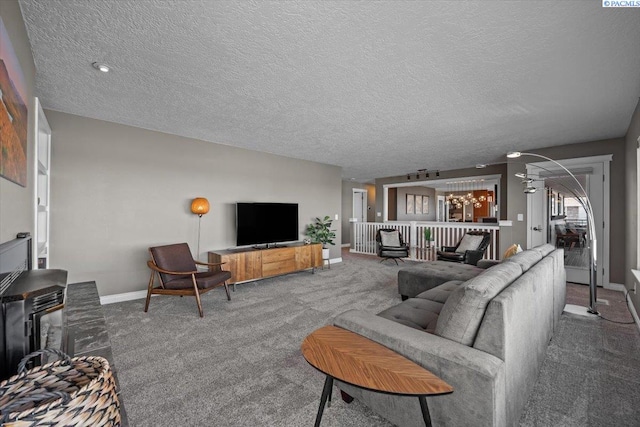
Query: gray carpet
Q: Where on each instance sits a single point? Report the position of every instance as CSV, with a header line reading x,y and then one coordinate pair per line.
x,y
241,364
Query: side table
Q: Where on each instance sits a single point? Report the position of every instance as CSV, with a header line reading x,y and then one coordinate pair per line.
x,y
358,361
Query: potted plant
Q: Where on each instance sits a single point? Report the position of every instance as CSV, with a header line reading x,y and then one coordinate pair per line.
x,y
320,232
427,236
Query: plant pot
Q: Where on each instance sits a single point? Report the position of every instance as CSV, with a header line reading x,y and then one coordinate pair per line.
x,y
325,253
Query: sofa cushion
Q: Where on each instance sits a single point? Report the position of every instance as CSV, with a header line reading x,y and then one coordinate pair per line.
x,y
416,313
544,249
390,238
469,242
525,259
442,292
415,280
462,313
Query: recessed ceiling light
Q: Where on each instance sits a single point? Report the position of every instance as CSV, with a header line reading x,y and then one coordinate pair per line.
x,y
481,166
101,67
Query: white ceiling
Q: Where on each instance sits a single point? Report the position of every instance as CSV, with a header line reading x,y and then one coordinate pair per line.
x,y
380,88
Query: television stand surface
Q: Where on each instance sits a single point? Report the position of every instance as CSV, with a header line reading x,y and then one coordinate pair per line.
x,y
271,246
247,264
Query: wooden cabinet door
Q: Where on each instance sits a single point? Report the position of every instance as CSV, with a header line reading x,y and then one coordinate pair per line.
x,y
278,261
316,255
242,265
303,257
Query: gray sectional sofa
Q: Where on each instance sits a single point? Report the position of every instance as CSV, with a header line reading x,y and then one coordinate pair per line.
x,y
486,336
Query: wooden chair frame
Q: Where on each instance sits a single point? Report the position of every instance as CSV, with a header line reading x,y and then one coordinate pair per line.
x,y
161,290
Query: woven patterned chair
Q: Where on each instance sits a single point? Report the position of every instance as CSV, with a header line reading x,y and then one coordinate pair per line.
x,y
179,275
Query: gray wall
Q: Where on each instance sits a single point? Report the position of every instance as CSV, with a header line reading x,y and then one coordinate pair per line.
x,y
116,190
498,169
514,201
347,206
632,260
401,205
16,202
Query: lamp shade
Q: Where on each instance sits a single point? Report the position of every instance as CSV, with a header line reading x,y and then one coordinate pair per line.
x,y
200,206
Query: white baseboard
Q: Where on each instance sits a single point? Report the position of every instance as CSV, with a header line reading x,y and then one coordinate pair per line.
x,y
616,287
579,310
127,296
634,313
346,245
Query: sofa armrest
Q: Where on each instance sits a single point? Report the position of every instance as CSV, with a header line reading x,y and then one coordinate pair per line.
x,y
448,248
478,378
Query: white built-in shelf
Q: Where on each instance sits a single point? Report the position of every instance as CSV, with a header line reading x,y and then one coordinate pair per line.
x,y
42,248
42,180
42,169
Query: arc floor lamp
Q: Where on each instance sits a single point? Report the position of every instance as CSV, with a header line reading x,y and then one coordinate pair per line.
x,y
199,206
586,205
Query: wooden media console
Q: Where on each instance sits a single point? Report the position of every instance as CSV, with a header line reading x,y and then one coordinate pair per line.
x,y
247,264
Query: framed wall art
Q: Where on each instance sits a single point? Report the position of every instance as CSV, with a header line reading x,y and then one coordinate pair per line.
x,y
13,114
410,203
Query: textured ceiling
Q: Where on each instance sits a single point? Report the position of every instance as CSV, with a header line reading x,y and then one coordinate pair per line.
x,y
379,88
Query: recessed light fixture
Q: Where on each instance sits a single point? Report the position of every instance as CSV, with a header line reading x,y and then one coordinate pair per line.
x,y
101,67
481,166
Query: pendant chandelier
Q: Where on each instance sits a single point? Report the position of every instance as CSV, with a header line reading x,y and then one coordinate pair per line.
x,y
467,198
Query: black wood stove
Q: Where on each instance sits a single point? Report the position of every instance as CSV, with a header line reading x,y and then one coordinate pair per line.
x,y
31,302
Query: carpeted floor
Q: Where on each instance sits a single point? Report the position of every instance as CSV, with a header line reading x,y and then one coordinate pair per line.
x,y
241,364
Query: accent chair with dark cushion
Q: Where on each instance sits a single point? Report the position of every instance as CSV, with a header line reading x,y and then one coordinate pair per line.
x,y
179,275
390,245
469,250
568,237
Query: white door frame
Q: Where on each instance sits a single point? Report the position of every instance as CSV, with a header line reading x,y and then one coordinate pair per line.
x,y
444,209
364,194
536,207
602,163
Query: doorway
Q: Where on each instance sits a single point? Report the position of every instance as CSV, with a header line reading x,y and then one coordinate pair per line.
x,y
555,214
360,204
441,213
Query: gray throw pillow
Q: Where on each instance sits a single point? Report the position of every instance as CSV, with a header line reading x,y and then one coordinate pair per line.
x,y
390,238
469,242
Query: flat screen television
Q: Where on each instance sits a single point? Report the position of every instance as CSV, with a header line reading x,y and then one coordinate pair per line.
x,y
260,223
